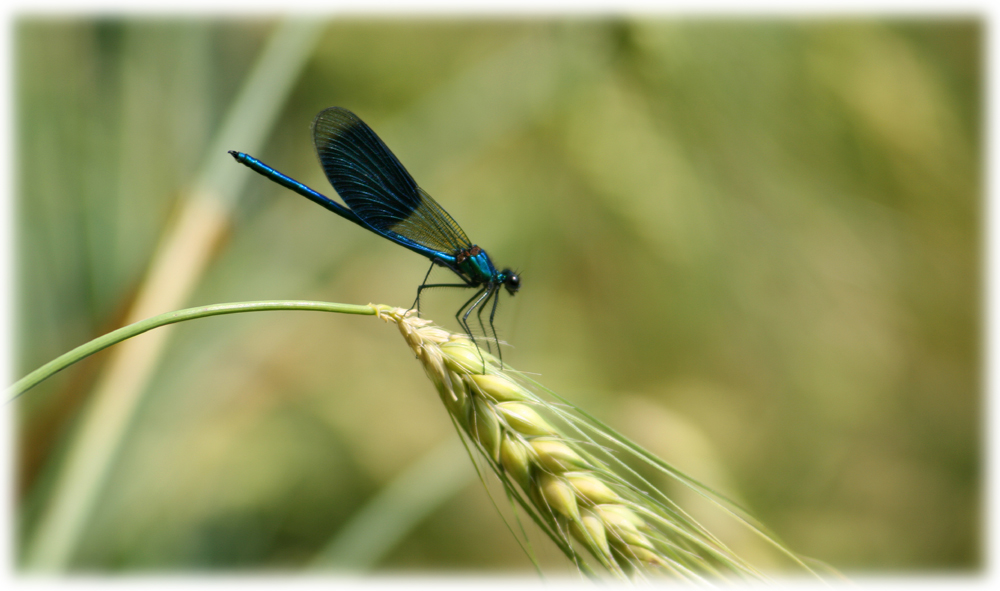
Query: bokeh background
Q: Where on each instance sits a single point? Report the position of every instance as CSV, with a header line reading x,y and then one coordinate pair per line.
x,y
753,246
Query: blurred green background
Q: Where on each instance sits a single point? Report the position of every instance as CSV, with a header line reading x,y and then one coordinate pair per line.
x,y
752,246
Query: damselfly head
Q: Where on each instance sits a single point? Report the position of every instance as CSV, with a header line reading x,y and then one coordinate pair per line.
x,y
512,281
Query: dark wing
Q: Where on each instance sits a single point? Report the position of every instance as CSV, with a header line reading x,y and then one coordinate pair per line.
x,y
374,184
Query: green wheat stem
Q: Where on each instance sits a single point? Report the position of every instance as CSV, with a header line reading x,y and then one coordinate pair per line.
x,y
137,328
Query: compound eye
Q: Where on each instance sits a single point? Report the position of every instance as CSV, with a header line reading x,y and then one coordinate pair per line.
x,y
513,282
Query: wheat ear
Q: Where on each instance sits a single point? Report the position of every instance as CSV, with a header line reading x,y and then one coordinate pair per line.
x,y
573,496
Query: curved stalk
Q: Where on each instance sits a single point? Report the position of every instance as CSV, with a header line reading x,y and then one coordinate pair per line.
x,y
137,328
